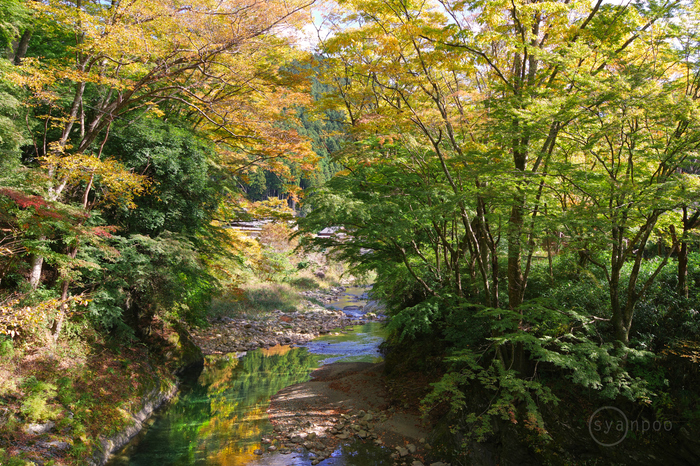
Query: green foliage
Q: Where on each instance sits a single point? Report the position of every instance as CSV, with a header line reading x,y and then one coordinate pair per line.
x,y
513,398
664,317
66,392
35,405
164,276
8,460
415,321
7,349
13,18
481,342
185,186
12,132
275,265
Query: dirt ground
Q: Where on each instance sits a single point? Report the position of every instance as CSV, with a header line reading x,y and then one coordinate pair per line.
x,y
342,402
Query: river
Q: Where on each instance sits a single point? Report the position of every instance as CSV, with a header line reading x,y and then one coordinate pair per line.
x,y
219,416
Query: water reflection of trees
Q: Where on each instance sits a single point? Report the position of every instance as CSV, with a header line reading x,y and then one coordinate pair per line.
x,y
220,419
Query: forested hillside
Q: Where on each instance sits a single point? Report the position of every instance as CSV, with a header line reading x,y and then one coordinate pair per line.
x,y
523,179
131,133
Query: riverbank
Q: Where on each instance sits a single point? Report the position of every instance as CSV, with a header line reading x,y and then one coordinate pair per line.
x,y
90,396
238,334
344,402
73,402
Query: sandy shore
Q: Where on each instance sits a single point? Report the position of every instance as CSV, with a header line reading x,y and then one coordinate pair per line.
x,y
344,402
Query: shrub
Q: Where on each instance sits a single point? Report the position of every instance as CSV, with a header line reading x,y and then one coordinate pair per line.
x,y
35,405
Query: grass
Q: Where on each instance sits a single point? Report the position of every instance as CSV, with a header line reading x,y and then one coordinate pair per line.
x,y
255,300
87,385
257,295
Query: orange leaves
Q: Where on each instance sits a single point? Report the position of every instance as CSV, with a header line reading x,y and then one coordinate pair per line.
x,y
218,59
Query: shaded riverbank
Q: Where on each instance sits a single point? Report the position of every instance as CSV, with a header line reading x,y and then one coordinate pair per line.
x,y
346,402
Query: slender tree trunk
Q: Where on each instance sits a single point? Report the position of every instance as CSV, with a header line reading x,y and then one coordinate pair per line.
x,y
621,330
20,50
36,264
549,261
683,269
689,223
515,274
58,323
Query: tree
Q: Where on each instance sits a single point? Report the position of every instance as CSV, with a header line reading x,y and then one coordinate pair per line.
x,y
215,63
488,90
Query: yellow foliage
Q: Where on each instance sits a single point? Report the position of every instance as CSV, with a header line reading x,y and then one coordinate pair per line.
x,y
219,58
16,319
118,185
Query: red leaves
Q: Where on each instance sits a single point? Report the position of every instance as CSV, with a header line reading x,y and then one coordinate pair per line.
x,y
104,231
24,201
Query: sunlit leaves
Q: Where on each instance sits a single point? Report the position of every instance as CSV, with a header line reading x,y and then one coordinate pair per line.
x,y
117,184
18,319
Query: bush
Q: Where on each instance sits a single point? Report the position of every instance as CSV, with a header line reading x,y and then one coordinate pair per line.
x,y
164,276
35,405
7,349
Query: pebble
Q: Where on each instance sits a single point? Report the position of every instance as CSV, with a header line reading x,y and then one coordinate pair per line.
x,y
228,334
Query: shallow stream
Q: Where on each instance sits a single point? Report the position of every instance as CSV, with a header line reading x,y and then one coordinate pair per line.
x,y
219,417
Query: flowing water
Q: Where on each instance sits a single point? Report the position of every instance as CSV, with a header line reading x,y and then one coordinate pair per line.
x,y
219,417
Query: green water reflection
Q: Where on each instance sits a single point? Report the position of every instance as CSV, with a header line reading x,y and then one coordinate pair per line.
x,y
220,417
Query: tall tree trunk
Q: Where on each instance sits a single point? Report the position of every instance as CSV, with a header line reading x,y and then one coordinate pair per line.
x,y
618,321
36,263
20,50
515,273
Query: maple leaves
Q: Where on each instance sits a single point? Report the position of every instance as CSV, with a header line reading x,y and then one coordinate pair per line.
x,y
217,62
17,318
529,117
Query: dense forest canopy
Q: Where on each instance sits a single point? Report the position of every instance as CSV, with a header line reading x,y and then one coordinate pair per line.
x,y
127,131
522,176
